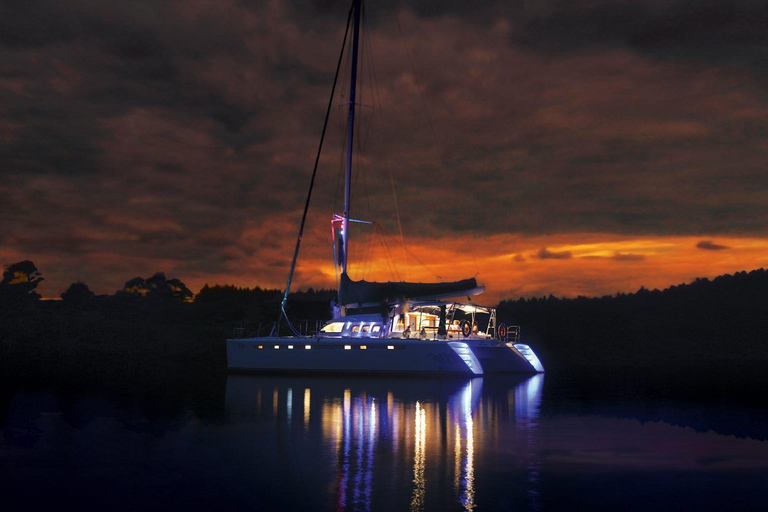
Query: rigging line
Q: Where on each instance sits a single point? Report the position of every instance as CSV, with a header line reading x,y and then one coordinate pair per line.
x,y
437,147
361,169
377,108
389,252
312,181
362,140
290,325
380,109
417,259
384,250
378,241
387,256
474,258
391,264
397,212
367,255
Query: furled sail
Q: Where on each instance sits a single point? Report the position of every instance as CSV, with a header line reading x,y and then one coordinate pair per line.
x,y
364,292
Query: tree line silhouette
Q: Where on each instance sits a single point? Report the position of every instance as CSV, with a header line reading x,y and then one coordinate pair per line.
x,y
719,324
150,325
157,324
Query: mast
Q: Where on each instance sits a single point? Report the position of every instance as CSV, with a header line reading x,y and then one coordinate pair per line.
x,y
350,138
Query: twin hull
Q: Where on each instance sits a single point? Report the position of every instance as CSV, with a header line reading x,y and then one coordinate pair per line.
x,y
393,355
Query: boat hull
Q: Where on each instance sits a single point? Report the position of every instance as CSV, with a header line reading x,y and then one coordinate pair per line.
x,y
331,355
406,356
505,358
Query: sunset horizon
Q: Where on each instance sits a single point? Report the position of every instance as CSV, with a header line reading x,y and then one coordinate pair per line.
x,y
509,267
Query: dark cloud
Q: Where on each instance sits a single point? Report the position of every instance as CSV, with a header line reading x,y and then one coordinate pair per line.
x,y
709,245
722,30
546,254
159,133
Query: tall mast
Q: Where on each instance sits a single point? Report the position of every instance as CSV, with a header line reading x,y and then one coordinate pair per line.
x,y
350,137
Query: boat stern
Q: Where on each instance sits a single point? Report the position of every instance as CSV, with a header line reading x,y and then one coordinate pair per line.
x,y
506,357
530,356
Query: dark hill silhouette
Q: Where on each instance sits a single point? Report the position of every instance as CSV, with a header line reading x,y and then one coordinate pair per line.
x,y
715,324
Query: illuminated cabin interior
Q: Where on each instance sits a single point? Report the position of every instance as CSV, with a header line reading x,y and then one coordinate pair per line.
x,y
419,320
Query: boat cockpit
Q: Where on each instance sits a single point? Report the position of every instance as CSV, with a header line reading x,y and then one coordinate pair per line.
x,y
432,320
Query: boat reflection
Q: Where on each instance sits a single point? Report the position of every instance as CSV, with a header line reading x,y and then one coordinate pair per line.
x,y
398,442
461,412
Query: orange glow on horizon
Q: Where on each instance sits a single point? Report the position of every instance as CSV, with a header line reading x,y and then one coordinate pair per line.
x,y
509,266
512,266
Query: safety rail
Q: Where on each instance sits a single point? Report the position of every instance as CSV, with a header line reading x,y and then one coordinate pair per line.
x,y
506,334
509,333
303,327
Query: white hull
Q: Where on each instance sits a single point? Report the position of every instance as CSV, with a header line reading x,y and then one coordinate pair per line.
x,y
506,358
384,355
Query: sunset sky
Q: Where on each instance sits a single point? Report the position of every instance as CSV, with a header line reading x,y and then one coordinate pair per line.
x,y
563,147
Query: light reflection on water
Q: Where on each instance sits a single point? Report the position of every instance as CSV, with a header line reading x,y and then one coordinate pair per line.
x,y
419,458
380,430
292,443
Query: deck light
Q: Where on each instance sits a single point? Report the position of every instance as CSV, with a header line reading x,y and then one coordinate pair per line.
x,y
363,347
390,347
347,347
308,347
261,347
290,347
277,347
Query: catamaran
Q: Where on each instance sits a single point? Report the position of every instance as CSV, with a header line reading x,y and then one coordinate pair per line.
x,y
396,327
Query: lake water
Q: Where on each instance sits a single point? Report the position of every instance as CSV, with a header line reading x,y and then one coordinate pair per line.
x,y
318,443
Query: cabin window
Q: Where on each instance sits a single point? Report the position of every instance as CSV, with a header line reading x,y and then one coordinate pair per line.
x,y
333,327
366,328
417,321
376,328
355,328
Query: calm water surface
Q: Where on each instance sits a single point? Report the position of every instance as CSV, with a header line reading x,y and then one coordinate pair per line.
x,y
300,443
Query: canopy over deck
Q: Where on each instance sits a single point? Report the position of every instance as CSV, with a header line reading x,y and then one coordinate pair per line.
x,y
364,292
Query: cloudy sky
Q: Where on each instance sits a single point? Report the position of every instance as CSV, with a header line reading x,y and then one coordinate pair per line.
x,y
559,147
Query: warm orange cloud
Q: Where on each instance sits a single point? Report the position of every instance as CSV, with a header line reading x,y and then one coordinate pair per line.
x,y
512,266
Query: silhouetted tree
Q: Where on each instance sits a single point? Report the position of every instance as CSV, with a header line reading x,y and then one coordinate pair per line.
x,y
158,287
77,293
135,287
19,281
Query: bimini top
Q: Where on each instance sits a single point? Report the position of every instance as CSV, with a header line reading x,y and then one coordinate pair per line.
x,y
364,292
